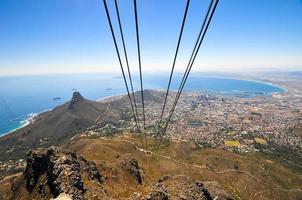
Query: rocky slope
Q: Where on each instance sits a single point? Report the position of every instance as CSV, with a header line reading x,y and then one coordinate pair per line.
x,y
183,188
62,174
52,172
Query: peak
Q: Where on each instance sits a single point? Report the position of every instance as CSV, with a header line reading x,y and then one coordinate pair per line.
x,y
76,97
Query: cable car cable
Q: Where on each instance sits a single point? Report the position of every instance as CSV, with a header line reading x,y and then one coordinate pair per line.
x,y
174,61
120,61
190,64
126,57
6,107
190,60
140,67
196,43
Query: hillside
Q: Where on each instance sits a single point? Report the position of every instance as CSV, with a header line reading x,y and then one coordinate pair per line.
x,y
52,127
178,170
54,172
63,122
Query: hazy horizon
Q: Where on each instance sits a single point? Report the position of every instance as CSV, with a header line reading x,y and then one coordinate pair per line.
x,y
177,72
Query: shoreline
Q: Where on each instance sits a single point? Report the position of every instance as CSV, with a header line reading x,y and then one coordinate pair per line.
x,y
26,121
251,79
22,126
285,90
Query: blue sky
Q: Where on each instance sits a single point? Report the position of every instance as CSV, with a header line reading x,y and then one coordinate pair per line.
x,y
72,36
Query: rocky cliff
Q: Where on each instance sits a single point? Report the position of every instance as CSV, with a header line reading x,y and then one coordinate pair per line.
x,y
52,172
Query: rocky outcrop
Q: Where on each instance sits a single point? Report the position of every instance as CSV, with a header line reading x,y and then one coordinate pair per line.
x,y
76,97
59,171
195,191
217,191
128,163
63,196
158,193
183,188
37,164
59,174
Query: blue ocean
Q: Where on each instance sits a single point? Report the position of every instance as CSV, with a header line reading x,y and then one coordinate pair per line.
x,y
23,96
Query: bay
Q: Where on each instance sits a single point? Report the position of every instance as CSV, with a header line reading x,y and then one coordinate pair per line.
x,y
22,97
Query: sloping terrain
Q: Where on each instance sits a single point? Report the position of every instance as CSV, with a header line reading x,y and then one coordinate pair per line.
x,y
178,170
55,172
246,176
63,122
52,127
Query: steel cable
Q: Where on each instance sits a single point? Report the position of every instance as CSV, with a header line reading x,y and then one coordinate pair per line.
x,y
126,58
174,61
140,68
199,41
120,61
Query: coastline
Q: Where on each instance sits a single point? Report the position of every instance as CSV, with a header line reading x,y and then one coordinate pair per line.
x,y
22,126
282,89
269,82
264,81
24,123
110,97
252,79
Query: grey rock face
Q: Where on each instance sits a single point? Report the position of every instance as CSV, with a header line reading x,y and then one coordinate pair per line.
x,y
60,170
130,164
76,97
183,188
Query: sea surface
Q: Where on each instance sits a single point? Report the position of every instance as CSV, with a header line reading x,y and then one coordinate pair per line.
x,y
22,97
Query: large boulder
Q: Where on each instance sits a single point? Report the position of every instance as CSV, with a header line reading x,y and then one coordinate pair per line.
x,y
183,188
128,163
159,192
58,171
